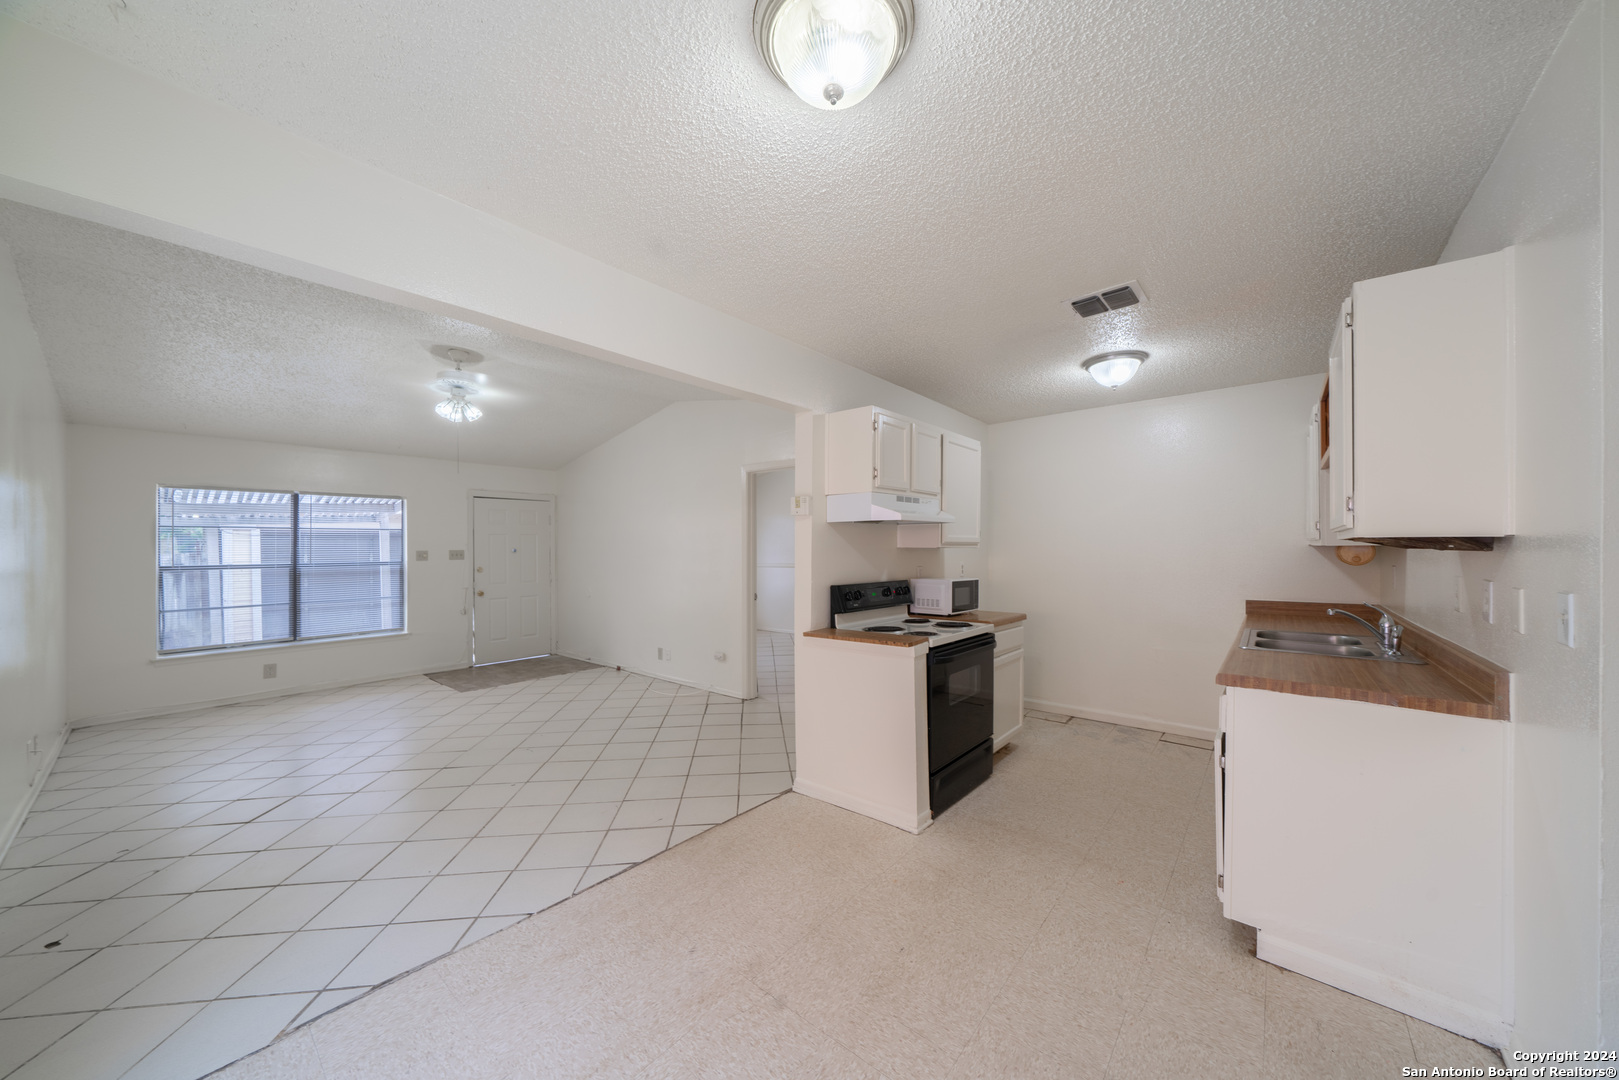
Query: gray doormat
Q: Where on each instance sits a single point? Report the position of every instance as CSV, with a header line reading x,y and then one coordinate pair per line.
x,y
482,678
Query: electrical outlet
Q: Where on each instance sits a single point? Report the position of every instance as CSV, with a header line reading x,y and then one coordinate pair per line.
x,y
1487,602
720,657
1565,619
665,654
421,556
35,759
1461,593
269,671
1523,610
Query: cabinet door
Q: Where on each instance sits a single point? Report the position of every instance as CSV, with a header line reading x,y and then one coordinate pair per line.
x,y
1430,367
927,459
962,489
1008,696
892,444
1219,801
1312,478
1341,420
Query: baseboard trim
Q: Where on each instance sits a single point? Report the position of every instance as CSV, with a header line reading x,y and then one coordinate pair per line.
x,y
1151,723
20,814
888,815
660,676
242,699
1397,994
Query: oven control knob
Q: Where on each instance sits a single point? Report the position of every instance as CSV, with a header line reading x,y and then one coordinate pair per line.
x,y
888,592
851,596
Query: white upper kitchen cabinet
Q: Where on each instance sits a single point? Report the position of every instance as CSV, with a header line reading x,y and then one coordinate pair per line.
x,y
927,460
867,449
962,489
1421,394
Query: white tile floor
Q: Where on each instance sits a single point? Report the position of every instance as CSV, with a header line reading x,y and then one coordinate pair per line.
x,y
187,887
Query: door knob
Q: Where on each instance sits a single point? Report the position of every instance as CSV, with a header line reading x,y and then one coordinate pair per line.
x,y
480,592
480,569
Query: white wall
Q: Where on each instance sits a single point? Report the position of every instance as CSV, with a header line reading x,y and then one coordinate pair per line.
x,y
113,476
1545,193
773,551
652,544
1133,534
32,683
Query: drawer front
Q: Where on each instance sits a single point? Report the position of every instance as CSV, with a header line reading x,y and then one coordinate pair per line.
x,y
1008,639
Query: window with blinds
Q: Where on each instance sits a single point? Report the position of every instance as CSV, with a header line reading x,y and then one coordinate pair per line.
x,y
257,567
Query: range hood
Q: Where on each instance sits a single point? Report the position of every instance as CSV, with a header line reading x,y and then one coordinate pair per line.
x,y
884,506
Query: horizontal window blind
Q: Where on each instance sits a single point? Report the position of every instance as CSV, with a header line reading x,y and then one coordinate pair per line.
x,y
255,567
351,566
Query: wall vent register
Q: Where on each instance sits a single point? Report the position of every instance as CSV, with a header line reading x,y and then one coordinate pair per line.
x,y
239,568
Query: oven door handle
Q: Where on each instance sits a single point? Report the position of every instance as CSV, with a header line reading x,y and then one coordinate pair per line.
x,y
938,654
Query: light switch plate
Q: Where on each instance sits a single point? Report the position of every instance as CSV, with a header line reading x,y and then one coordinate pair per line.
x,y
801,505
1565,619
457,554
421,556
1521,595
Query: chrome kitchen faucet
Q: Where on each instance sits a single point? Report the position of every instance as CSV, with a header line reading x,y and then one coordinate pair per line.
x,y
1387,630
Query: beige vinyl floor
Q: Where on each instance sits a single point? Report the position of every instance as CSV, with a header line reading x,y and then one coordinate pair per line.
x,y
1059,922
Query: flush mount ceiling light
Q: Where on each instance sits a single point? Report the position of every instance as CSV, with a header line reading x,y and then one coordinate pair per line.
x,y
1114,369
460,385
832,53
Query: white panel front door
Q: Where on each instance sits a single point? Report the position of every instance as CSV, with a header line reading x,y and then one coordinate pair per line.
x,y
512,609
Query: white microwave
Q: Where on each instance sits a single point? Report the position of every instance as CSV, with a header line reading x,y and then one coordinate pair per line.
x,y
943,596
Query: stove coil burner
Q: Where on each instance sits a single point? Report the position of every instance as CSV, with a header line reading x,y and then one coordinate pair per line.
x,y
884,629
953,625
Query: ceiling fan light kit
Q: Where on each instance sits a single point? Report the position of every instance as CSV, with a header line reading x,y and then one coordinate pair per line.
x,y
459,385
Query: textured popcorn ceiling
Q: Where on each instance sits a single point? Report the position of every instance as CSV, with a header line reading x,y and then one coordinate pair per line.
x,y
139,333
1246,160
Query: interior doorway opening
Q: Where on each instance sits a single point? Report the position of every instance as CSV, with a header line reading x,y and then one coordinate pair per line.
x,y
770,576
513,576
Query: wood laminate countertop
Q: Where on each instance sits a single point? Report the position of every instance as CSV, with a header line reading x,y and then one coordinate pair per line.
x,y
1000,620
996,620
1453,680
904,641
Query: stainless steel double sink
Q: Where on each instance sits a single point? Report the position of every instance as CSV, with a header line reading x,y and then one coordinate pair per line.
x,y
1302,641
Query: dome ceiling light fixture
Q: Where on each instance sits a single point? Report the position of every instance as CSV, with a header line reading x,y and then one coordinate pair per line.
x,y
1114,369
832,53
460,385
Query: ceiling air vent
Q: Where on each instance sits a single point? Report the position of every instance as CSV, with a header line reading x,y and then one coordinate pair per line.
x,y
1120,296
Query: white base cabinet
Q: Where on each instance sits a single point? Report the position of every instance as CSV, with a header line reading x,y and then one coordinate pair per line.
x,y
1370,846
862,731
1008,684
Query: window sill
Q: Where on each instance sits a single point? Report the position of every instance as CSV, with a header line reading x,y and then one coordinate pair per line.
x,y
275,646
